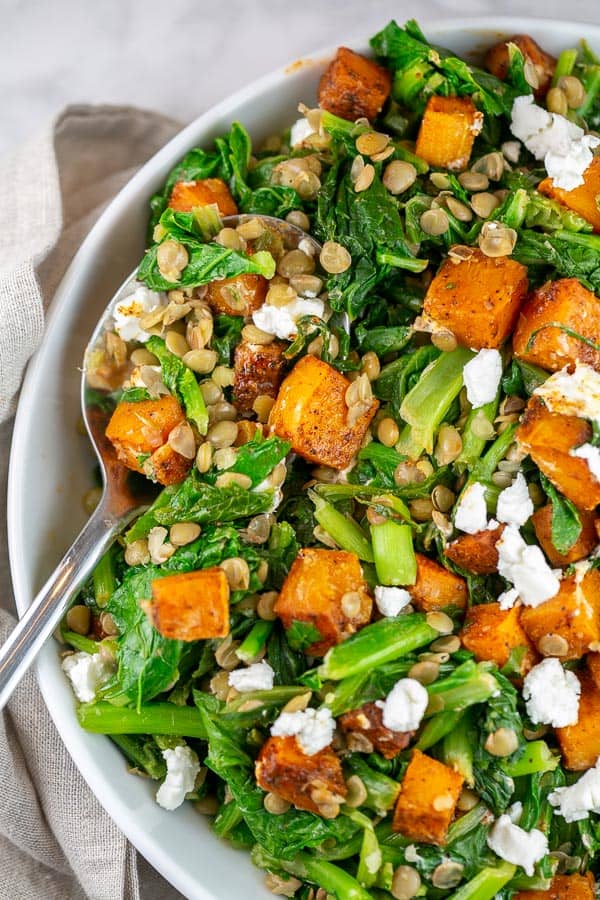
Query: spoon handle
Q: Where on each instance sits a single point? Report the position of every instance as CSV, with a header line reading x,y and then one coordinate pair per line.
x,y
51,603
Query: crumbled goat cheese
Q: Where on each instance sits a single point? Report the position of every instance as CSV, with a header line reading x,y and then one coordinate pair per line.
x,y
127,313
391,600
526,568
515,845
257,677
578,800
514,503
507,599
565,148
481,377
182,769
551,694
87,672
471,512
405,705
312,728
575,394
591,455
281,320
300,130
511,150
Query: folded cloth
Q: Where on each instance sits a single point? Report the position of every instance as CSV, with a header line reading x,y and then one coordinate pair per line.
x,y
56,841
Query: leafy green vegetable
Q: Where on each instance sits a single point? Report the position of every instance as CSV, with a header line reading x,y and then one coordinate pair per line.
x,y
181,381
301,635
227,334
383,339
259,456
566,521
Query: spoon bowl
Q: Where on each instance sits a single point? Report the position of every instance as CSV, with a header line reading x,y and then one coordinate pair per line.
x,y
123,498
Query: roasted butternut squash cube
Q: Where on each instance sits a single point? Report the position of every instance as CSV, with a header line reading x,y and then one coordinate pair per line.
x,y
313,593
574,614
367,720
580,743
309,782
239,296
191,606
448,128
493,633
312,414
477,299
476,552
353,86
137,430
549,437
592,662
582,199
564,887
258,371
496,60
567,302
166,466
436,587
583,546
427,800
188,194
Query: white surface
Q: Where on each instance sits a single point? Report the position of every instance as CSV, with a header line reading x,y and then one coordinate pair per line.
x,y
48,476
182,56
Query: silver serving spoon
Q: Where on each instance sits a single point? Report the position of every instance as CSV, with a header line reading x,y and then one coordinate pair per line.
x,y
119,504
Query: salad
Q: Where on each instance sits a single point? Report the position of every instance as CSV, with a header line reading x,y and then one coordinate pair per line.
x,y
359,625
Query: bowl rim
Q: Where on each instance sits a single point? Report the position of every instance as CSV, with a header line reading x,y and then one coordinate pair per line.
x,y
62,714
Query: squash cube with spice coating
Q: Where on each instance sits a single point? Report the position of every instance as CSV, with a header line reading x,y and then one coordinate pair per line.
x,y
204,192
573,614
325,589
583,546
191,606
549,437
580,743
238,296
312,414
308,782
436,588
476,552
427,800
477,299
583,200
539,340
448,129
563,887
367,720
258,371
139,434
492,633
497,60
353,86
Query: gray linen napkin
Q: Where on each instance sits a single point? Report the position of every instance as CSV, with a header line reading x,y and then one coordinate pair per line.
x,y
56,841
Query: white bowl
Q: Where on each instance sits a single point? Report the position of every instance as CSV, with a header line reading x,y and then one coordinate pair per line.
x,y
50,464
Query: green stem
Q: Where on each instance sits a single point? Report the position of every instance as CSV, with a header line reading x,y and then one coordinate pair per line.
x,y
376,644
104,579
254,641
470,683
564,65
140,755
317,871
536,757
156,718
344,530
457,750
382,791
428,401
485,467
228,816
438,727
486,884
393,552
472,445
592,88
79,642
410,263
369,860
277,696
